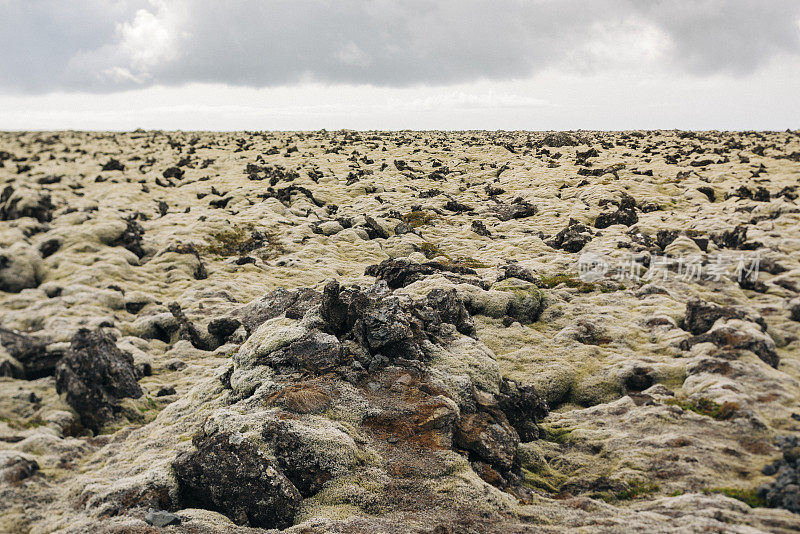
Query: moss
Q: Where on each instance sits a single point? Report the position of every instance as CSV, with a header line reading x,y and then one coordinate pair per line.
x,y
707,407
149,404
555,434
572,282
748,496
415,219
243,239
568,280
635,489
539,481
22,424
466,261
430,250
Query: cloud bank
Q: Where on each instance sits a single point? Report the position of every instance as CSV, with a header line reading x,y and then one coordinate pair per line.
x,y
102,46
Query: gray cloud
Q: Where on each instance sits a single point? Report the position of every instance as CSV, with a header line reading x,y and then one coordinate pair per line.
x,y
93,45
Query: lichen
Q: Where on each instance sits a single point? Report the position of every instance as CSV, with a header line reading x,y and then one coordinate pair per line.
x,y
707,407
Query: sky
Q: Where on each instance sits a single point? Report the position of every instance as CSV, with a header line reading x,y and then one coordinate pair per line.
x,y
399,64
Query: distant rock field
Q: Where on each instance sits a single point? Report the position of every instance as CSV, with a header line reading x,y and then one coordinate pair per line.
x,y
427,332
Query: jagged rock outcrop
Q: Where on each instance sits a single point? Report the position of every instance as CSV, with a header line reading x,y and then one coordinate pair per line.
x,y
229,474
93,375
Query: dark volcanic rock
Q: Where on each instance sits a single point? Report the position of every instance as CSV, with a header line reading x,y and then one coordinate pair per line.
x,y
523,406
386,324
736,239
517,209
131,238
186,329
451,310
639,379
375,230
625,214
514,270
317,352
456,206
572,238
113,165
161,518
701,316
230,475
730,338
223,327
480,228
402,272
173,172
489,436
94,375
784,491
294,304
794,310
15,467
296,457
403,228
31,352
560,139
25,203
708,192
49,247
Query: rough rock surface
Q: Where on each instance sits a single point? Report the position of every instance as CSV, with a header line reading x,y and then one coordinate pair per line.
x,y
93,375
230,475
399,332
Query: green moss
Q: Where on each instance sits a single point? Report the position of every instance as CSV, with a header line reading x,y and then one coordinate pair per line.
x,y
243,239
538,481
748,496
466,261
573,282
555,434
431,250
635,489
415,219
22,424
707,407
149,404
568,280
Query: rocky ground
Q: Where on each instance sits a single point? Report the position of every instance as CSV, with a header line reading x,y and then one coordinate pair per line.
x,y
400,332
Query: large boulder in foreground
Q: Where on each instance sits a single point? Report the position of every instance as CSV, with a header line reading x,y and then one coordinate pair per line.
x,y
94,375
229,474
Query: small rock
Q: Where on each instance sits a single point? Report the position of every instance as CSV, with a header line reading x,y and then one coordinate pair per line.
x,y
489,436
160,518
480,228
572,238
794,310
113,165
625,214
15,466
701,316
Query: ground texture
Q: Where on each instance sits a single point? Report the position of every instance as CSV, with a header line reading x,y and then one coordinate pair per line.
x,y
400,332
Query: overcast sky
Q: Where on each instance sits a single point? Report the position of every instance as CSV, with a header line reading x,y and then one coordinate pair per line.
x,y
393,64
